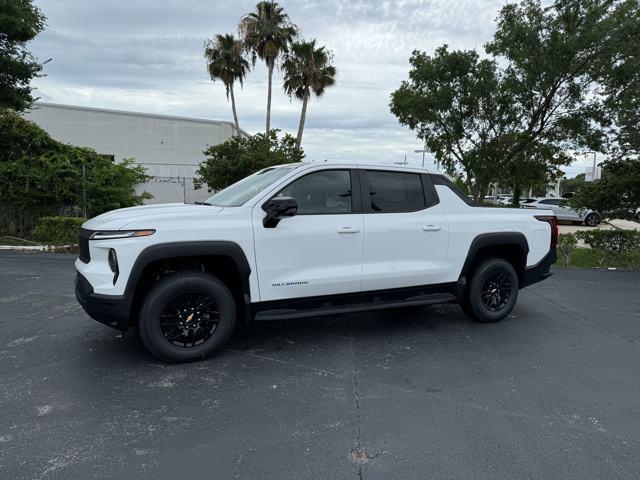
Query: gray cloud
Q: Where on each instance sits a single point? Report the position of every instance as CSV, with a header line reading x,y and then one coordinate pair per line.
x,y
146,55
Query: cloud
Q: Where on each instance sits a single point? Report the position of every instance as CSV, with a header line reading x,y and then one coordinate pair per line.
x,y
146,55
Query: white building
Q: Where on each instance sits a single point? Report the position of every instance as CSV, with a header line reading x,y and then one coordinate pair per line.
x,y
170,148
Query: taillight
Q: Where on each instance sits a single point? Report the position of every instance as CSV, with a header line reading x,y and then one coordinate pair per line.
x,y
553,221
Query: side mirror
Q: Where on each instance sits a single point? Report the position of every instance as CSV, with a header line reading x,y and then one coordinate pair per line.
x,y
278,208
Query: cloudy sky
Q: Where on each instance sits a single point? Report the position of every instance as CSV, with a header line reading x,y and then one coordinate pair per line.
x,y
146,56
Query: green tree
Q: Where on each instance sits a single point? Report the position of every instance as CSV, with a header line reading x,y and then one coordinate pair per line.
x,y
618,76
20,22
454,102
239,157
572,185
542,98
267,33
40,177
307,69
616,194
225,61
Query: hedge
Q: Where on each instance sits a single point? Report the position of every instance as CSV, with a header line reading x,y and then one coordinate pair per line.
x,y
617,241
58,230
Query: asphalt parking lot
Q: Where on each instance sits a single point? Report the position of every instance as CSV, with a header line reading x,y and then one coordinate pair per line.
x,y
551,392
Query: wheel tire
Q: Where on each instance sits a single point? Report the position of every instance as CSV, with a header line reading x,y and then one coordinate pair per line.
x,y
592,220
164,295
487,273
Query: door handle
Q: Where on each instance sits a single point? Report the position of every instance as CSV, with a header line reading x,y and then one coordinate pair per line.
x,y
348,230
431,228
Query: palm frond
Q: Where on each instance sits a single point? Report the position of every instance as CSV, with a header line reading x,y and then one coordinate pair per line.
x,y
307,69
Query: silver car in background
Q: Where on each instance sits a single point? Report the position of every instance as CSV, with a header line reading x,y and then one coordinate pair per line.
x,y
564,212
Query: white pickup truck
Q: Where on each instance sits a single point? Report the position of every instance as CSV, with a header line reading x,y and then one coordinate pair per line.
x,y
300,240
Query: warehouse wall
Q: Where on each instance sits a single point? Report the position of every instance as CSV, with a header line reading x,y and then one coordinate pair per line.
x,y
170,148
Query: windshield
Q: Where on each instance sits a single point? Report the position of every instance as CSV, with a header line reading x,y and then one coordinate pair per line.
x,y
238,193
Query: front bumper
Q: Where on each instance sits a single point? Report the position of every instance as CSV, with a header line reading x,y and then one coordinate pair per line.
x,y
111,310
540,270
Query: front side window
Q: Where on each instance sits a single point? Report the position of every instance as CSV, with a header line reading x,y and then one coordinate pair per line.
x,y
550,202
327,192
395,191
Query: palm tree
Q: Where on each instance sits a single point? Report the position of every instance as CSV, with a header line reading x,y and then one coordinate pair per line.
x,y
225,61
307,69
266,33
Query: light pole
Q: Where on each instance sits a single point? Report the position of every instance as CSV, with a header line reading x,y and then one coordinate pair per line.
x,y
593,175
423,152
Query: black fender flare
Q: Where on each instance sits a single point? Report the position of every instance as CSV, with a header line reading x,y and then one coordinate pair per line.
x,y
493,239
162,251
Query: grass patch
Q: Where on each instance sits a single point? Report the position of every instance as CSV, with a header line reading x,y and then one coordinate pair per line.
x,y
16,242
590,258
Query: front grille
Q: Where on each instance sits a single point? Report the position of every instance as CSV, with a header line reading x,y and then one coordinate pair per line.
x,y
85,256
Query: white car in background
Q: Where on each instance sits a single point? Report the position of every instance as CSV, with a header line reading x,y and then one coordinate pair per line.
x,y
564,212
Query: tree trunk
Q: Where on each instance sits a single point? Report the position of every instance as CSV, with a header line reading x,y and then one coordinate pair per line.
x,y
303,116
270,68
517,192
233,108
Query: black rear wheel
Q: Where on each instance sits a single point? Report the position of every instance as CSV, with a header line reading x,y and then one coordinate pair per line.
x,y
592,220
492,291
187,316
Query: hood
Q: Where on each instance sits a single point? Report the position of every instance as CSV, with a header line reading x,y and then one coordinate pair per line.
x,y
146,216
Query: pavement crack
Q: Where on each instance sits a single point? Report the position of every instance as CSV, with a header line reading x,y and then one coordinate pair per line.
x,y
358,454
241,455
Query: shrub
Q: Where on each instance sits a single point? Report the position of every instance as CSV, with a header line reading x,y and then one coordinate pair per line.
x,y
41,177
58,230
240,156
567,243
616,241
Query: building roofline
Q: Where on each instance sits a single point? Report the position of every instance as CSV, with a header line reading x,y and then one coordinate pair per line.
x,y
138,114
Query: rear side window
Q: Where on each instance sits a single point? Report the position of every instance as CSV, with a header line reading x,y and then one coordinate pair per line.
x,y
553,201
394,192
442,180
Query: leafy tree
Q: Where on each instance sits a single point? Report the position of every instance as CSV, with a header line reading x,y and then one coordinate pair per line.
x,y
225,61
534,168
307,69
239,157
618,75
572,185
493,122
616,194
20,22
39,177
267,33
454,102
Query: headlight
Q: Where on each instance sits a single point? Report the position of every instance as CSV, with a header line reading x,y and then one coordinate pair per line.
x,y
112,234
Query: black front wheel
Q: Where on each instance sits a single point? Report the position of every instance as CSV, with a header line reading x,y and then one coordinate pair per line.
x,y
492,291
187,316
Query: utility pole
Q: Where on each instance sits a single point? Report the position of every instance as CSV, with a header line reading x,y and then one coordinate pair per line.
x,y
423,152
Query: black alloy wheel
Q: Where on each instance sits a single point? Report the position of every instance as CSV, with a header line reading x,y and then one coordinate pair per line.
x,y
492,290
187,316
496,291
189,320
